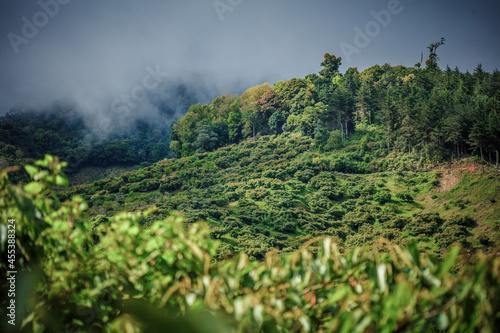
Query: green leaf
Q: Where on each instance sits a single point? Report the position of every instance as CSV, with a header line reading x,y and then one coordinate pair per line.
x,y
415,253
62,181
33,188
43,163
443,321
28,319
31,170
40,175
339,293
306,323
23,202
448,262
151,244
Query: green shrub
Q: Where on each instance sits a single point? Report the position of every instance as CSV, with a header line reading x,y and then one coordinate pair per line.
x,y
382,197
224,162
453,234
258,194
465,221
318,203
424,223
170,184
398,222
321,180
484,240
304,175
404,196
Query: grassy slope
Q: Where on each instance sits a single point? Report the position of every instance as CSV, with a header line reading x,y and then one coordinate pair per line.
x,y
468,189
259,195
91,174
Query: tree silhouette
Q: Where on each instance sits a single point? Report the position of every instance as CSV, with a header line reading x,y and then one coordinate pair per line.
x,y
431,63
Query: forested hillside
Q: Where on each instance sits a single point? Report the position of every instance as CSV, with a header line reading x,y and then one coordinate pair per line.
x,y
357,202
279,192
437,114
113,139
359,156
28,135
434,113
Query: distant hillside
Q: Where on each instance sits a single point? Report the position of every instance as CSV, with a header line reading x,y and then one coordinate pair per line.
x,y
439,115
280,191
112,138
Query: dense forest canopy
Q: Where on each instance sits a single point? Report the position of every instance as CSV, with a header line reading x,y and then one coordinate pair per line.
x,y
435,113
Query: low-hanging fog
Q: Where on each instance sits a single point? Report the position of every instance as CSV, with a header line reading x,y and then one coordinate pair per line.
x,y
114,61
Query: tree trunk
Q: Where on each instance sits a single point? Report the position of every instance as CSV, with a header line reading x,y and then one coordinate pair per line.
x,y
497,157
346,129
481,150
253,131
458,152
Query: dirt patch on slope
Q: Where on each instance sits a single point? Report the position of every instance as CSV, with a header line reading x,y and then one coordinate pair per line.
x,y
447,181
451,174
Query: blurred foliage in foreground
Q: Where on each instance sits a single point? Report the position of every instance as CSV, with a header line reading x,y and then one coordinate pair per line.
x,y
116,276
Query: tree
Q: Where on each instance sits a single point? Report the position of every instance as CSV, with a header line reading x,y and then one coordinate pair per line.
x,y
250,110
365,102
206,139
331,65
222,108
478,137
343,103
431,62
389,117
270,104
494,130
276,122
287,90
160,151
176,147
234,124
309,120
185,130
251,116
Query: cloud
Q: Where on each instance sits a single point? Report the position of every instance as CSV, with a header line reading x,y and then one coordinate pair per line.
x,y
90,53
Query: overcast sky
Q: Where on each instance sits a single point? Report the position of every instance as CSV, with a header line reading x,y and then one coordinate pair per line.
x,y
94,52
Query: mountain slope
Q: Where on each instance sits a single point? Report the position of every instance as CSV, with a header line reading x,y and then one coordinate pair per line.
x,y
280,192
